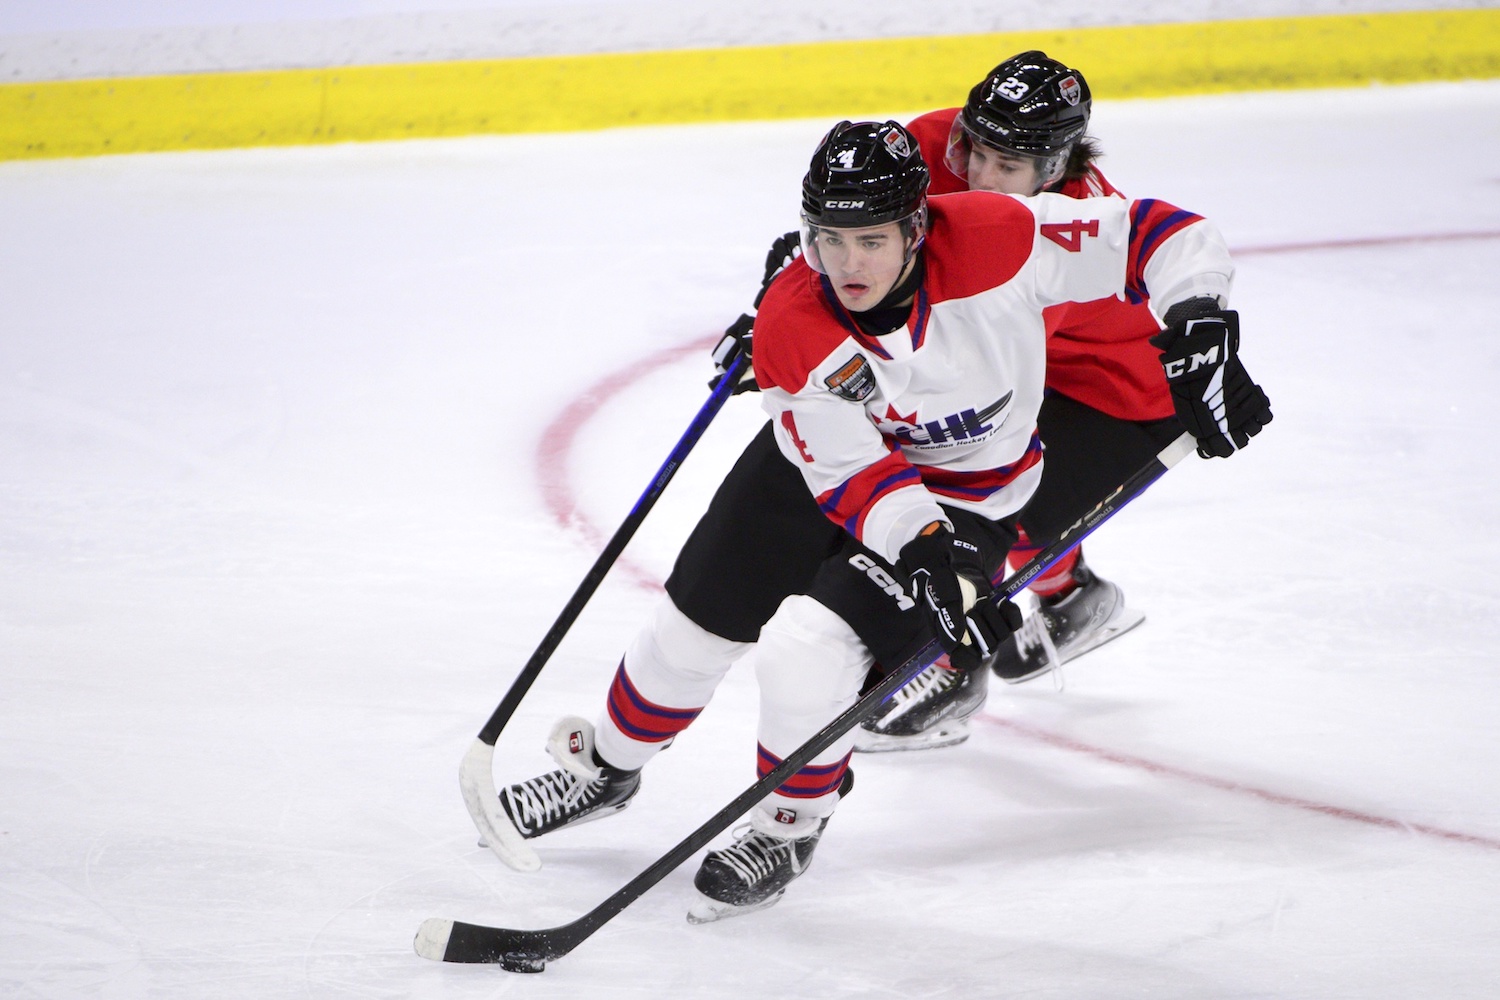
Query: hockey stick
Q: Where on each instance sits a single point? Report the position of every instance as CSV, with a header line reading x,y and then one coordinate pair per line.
x,y
476,777
530,950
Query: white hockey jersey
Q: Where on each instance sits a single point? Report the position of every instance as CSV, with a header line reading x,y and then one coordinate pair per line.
x,y
944,410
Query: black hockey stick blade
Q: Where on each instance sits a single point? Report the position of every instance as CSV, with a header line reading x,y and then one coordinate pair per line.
x,y
514,951
530,950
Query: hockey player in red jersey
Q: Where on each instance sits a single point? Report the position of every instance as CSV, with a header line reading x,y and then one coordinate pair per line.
x,y
1108,406
901,361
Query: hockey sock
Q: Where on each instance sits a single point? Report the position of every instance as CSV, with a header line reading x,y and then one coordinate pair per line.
x,y
1057,582
795,809
666,677
641,719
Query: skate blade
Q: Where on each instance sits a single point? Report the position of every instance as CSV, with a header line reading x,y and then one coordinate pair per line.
x,y
1124,621
705,910
946,735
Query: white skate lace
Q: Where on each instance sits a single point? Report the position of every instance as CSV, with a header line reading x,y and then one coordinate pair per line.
x,y
1029,636
755,855
1032,636
933,680
535,803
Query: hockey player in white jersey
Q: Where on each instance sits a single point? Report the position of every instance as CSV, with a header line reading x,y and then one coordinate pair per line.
x,y
901,361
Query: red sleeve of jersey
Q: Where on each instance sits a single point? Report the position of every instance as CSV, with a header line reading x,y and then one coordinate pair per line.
x,y
1151,223
795,329
931,132
978,240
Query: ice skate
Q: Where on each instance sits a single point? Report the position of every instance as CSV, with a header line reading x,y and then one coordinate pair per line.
x,y
931,710
582,789
1064,629
753,872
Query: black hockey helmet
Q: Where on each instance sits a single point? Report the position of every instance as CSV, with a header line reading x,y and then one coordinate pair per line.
x,y
1030,105
864,174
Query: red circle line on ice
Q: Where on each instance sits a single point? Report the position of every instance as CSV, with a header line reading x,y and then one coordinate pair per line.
x,y
555,447
553,461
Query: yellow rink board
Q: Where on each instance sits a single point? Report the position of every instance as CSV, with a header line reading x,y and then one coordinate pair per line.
x,y
827,79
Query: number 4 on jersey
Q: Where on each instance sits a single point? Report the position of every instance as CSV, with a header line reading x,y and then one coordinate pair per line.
x,y
1069,235
791,431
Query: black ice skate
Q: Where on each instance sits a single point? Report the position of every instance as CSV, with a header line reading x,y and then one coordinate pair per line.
x,y
930,710
1065,628
753,872
581,790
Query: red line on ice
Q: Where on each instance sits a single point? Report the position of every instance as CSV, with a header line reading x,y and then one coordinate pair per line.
x,y
1225,785
554,449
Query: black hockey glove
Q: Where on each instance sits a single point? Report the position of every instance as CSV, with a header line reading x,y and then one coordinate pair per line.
x,y
784,249
1214,397
734,343
948,581
737,339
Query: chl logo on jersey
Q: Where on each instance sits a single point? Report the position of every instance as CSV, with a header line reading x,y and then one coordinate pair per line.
x,y
955,428
854,381
878,576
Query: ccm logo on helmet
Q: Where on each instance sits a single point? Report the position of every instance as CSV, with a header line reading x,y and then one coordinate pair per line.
x,y
844,204
883,580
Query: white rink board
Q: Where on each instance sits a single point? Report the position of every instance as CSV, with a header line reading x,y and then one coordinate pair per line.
x,y
71,39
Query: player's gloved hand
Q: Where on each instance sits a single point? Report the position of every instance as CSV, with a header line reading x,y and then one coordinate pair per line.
x,y
737,339
731,347
1213,395
784,249
948,581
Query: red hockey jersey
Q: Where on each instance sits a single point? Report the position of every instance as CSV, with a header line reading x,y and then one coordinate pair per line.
x,y
1097,352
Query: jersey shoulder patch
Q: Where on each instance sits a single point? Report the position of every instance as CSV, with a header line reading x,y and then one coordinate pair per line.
x,y
978,240
795,329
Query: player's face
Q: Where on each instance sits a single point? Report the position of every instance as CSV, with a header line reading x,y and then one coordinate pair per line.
x,y
992,170
862,264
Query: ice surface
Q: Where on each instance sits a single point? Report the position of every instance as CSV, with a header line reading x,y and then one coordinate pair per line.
x,y
277,529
